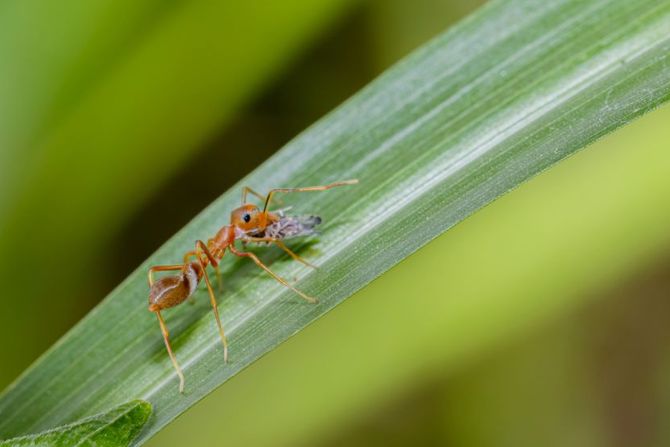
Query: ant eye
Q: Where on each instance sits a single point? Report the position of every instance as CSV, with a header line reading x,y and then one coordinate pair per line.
x,y
246,218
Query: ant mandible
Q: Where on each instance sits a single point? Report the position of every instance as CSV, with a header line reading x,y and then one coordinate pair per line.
x,y
247,224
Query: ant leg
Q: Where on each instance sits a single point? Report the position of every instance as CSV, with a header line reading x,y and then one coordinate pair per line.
x,y
194,253
161,268
212,260
281,280
212,297
305,189
188,255
203,249
283,246
219,279
294,255
166,339
215,308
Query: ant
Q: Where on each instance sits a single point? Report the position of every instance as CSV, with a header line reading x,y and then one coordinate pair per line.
x,y
247,224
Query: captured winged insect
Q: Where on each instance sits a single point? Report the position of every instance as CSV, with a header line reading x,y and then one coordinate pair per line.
x,y
248,224
288,227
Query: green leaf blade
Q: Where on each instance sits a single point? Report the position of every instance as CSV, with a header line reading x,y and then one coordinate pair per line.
x,y
115,428
513,89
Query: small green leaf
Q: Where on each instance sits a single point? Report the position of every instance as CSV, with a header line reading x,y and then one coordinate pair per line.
x,y
115,428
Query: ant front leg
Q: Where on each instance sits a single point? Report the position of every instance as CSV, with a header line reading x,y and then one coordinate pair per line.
x,y
268,198
294,255
278,278
283,246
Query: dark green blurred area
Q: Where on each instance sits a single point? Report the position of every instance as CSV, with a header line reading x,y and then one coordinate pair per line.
x,y
121,120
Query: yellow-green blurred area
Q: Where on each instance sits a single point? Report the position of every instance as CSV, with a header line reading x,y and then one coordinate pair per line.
x,y
543,319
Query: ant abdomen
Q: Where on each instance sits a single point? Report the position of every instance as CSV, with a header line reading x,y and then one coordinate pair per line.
x,y
170,291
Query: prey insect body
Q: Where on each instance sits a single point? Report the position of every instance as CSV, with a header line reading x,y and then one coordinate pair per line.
x,y
248,224
289,227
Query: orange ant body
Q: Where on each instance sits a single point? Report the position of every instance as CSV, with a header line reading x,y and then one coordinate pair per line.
x,y
247,224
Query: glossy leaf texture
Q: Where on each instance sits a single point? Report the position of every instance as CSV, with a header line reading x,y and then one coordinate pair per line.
x,y
503,95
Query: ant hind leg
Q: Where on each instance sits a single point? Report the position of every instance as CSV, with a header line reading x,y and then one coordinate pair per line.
x,y
166,339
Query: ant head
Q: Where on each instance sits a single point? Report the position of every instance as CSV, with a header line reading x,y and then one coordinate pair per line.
x,y
247,218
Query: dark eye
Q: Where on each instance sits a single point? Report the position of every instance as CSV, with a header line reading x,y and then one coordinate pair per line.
x,y
246,218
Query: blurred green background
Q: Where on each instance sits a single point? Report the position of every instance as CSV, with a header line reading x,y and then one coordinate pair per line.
x,y
542,320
